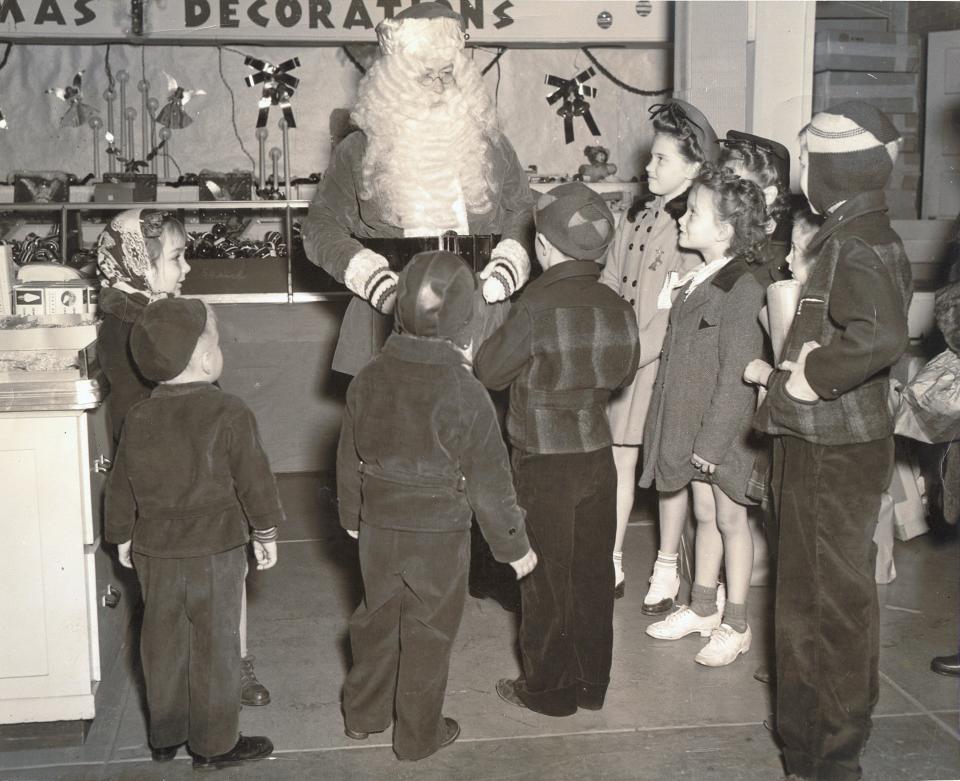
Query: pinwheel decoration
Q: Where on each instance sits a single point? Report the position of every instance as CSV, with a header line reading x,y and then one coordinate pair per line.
x,y
574,93
172,114
278,86
77,112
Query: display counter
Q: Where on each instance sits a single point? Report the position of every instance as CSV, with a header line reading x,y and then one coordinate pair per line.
x,y
66,605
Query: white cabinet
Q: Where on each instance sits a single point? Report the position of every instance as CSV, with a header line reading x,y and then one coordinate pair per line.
x,y
51,484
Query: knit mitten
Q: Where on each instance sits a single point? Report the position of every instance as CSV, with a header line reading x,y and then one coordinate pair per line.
x,y
369,276
507,271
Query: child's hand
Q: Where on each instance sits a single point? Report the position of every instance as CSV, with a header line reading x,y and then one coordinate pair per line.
x,y
524,566
797,385
265,553
703,465
354,534
124,554
757,372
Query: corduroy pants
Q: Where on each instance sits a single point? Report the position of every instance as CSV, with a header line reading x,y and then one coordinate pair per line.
x,y
566,629
190,648
827,618
402,633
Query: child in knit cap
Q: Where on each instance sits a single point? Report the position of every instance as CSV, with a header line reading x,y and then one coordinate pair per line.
x,y
189,487
420,452
827,404
567,344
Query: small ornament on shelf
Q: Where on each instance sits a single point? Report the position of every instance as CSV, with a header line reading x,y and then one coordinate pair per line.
x,y
173,114
77,112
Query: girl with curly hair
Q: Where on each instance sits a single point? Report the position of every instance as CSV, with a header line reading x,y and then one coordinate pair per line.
x,y
642,255
698,430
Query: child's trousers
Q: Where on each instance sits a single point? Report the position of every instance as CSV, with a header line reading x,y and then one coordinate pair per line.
x,y
827,618
566,630
402,633
190,649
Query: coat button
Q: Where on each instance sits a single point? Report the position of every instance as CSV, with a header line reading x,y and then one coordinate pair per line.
x,y
642,246
634,283
511,531
624,279
637,228
649,228
633,302
630,246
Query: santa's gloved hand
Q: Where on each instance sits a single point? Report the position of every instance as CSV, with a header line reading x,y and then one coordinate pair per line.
x,y
507,271
369,276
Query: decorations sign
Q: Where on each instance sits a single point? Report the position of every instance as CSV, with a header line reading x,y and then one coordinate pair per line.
x,y
333,21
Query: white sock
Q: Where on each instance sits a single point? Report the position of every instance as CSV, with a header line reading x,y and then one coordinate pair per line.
x,y
666,560
617,566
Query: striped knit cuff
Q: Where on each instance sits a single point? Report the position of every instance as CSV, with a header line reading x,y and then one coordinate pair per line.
x,y
381,290
265,535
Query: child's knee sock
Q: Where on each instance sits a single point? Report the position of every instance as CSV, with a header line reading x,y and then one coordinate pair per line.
x,y
703,600
735,616
617,566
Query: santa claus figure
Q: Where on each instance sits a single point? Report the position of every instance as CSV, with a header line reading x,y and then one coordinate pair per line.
x,y
428,169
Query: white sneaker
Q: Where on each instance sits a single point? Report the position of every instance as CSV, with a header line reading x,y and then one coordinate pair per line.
x,y
664,585
683,622
725,645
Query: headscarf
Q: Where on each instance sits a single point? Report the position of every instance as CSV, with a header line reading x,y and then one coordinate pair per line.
x,y
122,256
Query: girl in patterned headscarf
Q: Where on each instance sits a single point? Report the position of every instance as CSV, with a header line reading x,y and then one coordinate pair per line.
x,y
140,256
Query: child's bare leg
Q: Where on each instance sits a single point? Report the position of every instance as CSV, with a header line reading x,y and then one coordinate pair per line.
x,y
243,619
665,581
709,550
732,637
737,556
252,692
625,459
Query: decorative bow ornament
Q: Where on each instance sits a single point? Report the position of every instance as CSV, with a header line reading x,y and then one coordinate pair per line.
x,y
574,93
77,112
278,86
172,114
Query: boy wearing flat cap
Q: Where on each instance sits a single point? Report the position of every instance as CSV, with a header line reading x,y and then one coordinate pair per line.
x,y
567,344
189,487
420,452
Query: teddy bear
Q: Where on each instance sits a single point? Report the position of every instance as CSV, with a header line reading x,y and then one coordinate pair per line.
x,y
598,169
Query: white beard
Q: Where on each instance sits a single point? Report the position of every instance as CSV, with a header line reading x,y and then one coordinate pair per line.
x,y
422,178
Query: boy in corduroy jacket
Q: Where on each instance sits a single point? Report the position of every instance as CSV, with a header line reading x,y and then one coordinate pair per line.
x,y
420,452
833,452
567,344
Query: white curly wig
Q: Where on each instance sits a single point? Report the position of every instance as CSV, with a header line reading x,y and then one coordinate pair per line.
x,y
420,141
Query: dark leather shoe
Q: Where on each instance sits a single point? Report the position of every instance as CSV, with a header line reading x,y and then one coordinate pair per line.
x,y
620,589
661,607
508,599
355,734
451,731
764,674
164,754
946,665
507,691
247,749
252,692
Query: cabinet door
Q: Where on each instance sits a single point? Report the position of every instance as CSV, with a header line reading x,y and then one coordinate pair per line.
x,y
43,609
